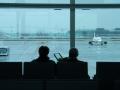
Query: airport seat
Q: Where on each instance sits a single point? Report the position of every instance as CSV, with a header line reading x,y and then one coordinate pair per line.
x,y
108,70
72,70
39,70
106,74
71,84
117,85
21,84
10,70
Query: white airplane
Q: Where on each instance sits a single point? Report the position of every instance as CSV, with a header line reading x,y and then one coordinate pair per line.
x,y
97,41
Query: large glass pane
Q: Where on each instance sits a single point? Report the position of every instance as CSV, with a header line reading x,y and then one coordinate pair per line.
x,y
23,31
8,24
98,1
35,1
105,24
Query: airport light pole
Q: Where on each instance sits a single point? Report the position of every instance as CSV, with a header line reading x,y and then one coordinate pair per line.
x,y
20,17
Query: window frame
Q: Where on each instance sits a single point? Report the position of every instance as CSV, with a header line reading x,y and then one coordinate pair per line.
x,y
72,7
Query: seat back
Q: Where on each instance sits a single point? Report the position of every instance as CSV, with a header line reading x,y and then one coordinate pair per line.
x,y
10,70
21,84
108,70
72,70
39,70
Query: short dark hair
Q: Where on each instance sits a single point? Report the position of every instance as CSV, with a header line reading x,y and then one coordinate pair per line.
x,y
73,52
43,51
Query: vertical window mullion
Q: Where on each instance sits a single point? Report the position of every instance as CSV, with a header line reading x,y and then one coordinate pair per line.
x,y
72,24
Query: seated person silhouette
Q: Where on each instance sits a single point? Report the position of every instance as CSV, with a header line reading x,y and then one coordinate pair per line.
x,y
40,68
71,67
73,54
43,55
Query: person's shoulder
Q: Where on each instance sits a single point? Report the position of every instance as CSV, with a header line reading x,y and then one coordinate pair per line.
x,y
82,62
51,61
35,60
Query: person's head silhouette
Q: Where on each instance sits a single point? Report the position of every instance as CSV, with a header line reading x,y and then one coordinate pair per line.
x,y
43,51
73,53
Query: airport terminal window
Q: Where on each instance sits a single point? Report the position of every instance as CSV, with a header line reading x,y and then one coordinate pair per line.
x,y
27,29
24,30
35,1
104,23
51,25
97,1
8,24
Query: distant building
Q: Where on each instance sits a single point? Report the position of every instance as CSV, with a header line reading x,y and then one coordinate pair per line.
x,y
100,29
117,29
